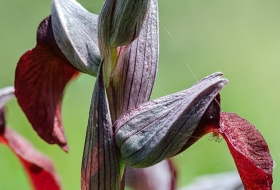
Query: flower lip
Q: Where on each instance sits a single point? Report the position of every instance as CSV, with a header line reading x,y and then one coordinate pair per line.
x,y
41,76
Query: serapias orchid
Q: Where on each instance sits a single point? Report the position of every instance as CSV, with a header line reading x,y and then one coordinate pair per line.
x,y
120,47
38,167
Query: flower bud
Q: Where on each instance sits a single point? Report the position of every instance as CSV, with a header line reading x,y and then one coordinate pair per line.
x,y
121,20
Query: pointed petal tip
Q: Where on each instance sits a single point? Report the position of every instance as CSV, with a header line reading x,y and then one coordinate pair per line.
x,y
65,148
224,81
214,75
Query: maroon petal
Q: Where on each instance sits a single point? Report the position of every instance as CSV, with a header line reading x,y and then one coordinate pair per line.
x,y
249,150
39,168
100,166
41,76
162,176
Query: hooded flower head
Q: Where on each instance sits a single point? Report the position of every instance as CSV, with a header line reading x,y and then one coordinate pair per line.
x,y
125,128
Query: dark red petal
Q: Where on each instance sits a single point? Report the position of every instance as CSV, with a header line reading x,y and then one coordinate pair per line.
x,y
249,150
162,176
100,166
41,76
39,168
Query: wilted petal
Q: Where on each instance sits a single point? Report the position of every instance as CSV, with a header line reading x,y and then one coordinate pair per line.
x,y
39,168
100,167
161,176
41,75
249,150
159,129
75,32
133,77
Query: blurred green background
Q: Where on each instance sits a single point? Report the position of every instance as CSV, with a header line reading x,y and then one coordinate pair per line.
x,y
239,38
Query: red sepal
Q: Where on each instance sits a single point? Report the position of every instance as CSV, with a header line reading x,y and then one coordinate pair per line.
x,y
249,150
39,168
41,76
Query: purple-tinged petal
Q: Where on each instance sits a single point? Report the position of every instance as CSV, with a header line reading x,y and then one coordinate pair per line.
x,y
38,167
41,76
158,129
75,32
161,176
100,167
133,77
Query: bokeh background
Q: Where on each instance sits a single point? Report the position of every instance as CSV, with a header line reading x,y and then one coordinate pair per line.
x,y
197,37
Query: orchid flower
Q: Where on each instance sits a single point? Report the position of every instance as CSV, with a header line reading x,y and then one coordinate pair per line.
x,y
38,167
126,130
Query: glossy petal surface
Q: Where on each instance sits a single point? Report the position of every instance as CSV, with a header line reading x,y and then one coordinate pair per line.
x,y
41,76
100,167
